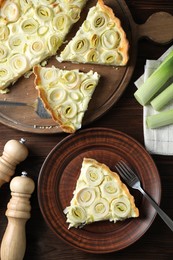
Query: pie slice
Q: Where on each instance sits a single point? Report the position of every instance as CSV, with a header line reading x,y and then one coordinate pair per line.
x,y
31,31
100,39
65,94
99,195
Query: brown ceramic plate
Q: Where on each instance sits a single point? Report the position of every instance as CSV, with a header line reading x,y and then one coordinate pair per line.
x,y
58,177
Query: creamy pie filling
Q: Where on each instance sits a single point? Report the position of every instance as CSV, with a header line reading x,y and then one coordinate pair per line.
x,y
31,31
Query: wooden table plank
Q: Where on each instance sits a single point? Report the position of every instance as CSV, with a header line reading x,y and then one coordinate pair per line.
x,y
125,116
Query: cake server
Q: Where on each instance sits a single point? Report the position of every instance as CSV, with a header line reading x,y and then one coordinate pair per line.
x,y
37,105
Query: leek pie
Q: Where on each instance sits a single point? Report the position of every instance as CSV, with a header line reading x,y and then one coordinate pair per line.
x,y
30,31
99,195
65,94
100,39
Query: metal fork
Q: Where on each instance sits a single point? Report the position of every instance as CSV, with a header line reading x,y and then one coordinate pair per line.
x,y
133,181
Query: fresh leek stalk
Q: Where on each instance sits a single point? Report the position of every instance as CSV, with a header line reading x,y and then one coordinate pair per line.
x,y
161,119
163,98
156,80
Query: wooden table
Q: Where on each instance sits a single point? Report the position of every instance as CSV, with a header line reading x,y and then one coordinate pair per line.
x,y
125,116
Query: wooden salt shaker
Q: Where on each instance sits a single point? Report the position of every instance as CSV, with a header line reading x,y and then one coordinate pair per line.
x,y
13,244
14,153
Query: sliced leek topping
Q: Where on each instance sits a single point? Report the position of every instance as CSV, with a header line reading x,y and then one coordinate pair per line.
x,y
76,96
99,21
94,176
4,32
100,209
80,45
57,95
29,26
10,11
94,41
93,56
18,63
61,22
69,109
110,189
109,57
86,196
54,42
70,79
87,86
48,75
37,47
74,13
44,12
77,214
120,207
42,30
17,42
110,39
3,52
4,73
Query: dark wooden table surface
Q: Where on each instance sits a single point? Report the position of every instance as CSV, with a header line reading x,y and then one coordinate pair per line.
x,y
126,116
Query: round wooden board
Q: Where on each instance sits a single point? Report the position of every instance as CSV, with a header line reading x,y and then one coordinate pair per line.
x,y
112,83
60,172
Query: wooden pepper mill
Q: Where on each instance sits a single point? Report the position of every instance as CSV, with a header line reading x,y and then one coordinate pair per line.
x,y
14,153
13,244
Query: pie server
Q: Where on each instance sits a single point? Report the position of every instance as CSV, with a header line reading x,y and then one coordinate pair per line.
x,y
37,105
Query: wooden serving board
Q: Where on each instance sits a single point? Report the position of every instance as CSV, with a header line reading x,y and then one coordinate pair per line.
x,y
113,82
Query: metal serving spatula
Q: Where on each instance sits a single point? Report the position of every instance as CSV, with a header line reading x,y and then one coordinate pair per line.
x,y
37,105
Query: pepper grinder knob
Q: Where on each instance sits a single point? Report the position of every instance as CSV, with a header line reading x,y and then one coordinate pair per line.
x,y
14,153
13,244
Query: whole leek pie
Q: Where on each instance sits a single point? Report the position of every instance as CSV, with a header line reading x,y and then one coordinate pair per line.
x,y
30,31
65,94
99,195
100,39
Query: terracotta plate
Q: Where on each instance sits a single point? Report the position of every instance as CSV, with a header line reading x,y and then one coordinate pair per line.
x,y
58,177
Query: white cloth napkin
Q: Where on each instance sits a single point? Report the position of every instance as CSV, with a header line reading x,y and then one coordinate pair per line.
x,y
160,140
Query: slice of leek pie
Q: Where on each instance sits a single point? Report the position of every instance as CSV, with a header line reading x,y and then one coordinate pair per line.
x,y
99,195
65,94
100,39
31,31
